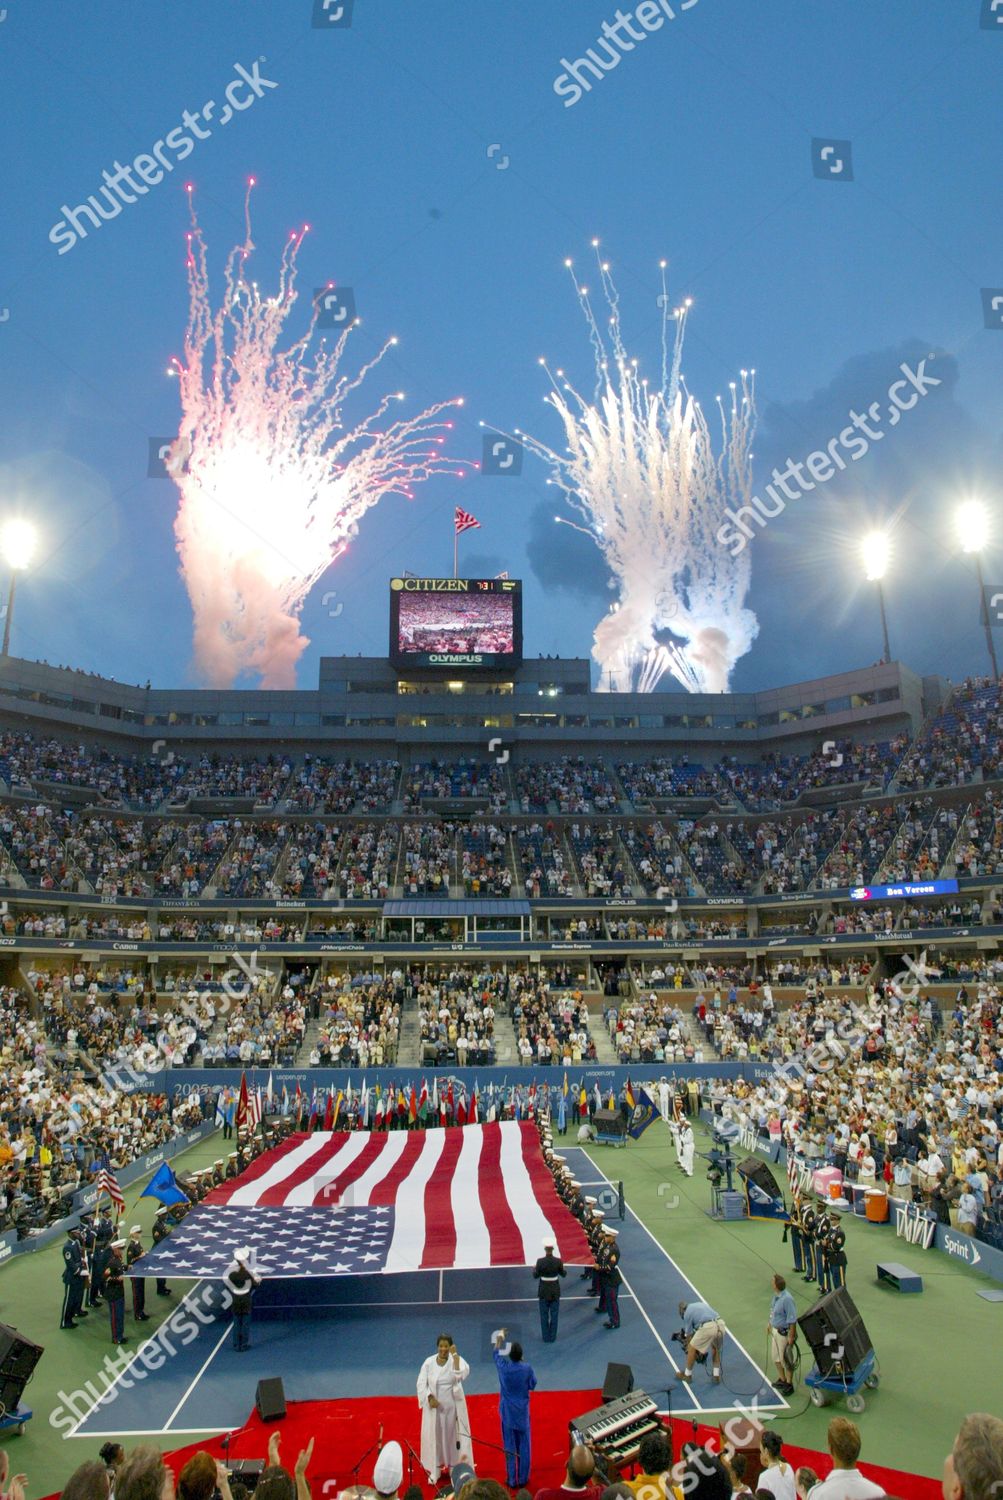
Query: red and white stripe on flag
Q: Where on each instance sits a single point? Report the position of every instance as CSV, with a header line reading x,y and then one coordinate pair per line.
x,y
464,521
471,1196
107,1182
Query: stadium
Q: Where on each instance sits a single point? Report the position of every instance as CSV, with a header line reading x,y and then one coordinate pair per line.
x,y
348,902
501,909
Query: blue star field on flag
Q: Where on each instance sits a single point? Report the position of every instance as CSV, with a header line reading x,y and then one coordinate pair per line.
x,y
285,1241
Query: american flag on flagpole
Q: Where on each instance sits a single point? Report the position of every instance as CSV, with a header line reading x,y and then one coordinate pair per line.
x,y
107,1182
464,521
410,1200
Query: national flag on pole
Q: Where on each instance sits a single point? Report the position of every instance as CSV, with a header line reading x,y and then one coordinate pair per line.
x,y
412,1108
255,1109
337,1107
314,1110
329,1111
378,1118
464,521
243,1106
564,1086
423,1102
472,1116
628,1093
107,1182
461,1110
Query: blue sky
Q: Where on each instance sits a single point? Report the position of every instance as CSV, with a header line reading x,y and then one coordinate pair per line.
x,y
445,181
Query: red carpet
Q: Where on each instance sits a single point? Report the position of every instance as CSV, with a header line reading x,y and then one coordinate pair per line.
x,y
343,1430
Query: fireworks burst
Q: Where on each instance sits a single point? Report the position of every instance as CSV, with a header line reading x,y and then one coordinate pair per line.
x,y
641,470
273,482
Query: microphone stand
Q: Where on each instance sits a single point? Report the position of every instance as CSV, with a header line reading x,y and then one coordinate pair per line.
x,y
228,1438
378,1444
412,1457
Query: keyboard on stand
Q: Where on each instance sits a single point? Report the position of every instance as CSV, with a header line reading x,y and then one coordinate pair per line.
x,y
617,1428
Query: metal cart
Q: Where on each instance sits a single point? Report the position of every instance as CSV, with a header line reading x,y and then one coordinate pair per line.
x,y
822,1390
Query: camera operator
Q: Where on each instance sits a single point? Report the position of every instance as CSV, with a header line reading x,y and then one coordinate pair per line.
x,y
702,1331
782,1328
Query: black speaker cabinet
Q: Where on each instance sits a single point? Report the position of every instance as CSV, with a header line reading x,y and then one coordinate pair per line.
x,y
619,1381
270,1399
18,1358
758,1172
836,1334
609,1122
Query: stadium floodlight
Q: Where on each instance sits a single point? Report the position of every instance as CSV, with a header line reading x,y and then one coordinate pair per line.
x,y
18,541
876,551
972,521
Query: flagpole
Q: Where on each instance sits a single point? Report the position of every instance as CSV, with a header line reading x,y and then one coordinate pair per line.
x,y
456,543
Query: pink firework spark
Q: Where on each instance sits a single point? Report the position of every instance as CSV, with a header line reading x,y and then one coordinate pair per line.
x,y
273,480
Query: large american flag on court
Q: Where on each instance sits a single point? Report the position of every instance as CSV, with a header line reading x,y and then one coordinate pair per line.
x,y
347,1203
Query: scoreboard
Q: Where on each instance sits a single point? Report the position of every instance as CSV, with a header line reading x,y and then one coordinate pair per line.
x,y
455,622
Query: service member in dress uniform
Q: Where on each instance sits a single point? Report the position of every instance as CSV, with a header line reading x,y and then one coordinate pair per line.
x,y
548,1272
161,1229
133,1253
74,1278
114,1290
611,1278
104,1233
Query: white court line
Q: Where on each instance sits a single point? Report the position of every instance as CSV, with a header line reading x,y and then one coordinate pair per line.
x,y
780,1403
430,1302
107,1397
198,1377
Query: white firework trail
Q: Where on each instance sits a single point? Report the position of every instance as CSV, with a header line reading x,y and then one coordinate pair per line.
x,y
273,481
640,468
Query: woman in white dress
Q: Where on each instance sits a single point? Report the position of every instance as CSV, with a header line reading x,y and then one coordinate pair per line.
x,y
445,1426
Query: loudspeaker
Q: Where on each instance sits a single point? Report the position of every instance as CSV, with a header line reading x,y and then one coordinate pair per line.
x,y
836,1333
270,1399
18,1358
758,1172
619,1381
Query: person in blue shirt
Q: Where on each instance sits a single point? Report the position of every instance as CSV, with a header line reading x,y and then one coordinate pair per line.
x,y
516,1379
782,1327
703,1331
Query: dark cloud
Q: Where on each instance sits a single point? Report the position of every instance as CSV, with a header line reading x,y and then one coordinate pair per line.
x,y
816,612
562,558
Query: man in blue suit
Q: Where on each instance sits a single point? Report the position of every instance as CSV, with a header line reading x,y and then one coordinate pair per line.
x,y
516,1379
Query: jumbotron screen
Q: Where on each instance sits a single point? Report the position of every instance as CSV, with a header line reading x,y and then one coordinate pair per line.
x,y
455,622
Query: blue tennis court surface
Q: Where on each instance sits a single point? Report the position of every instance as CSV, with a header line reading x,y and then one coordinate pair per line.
x,y
367,1335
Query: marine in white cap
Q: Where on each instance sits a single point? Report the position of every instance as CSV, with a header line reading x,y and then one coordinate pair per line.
x,y
548,1273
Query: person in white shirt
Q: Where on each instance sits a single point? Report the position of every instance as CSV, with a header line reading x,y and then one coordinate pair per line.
x,y
845,1482
776,1482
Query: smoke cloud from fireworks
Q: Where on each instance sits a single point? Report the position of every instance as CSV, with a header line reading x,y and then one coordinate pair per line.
x,y
641,471
273,481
